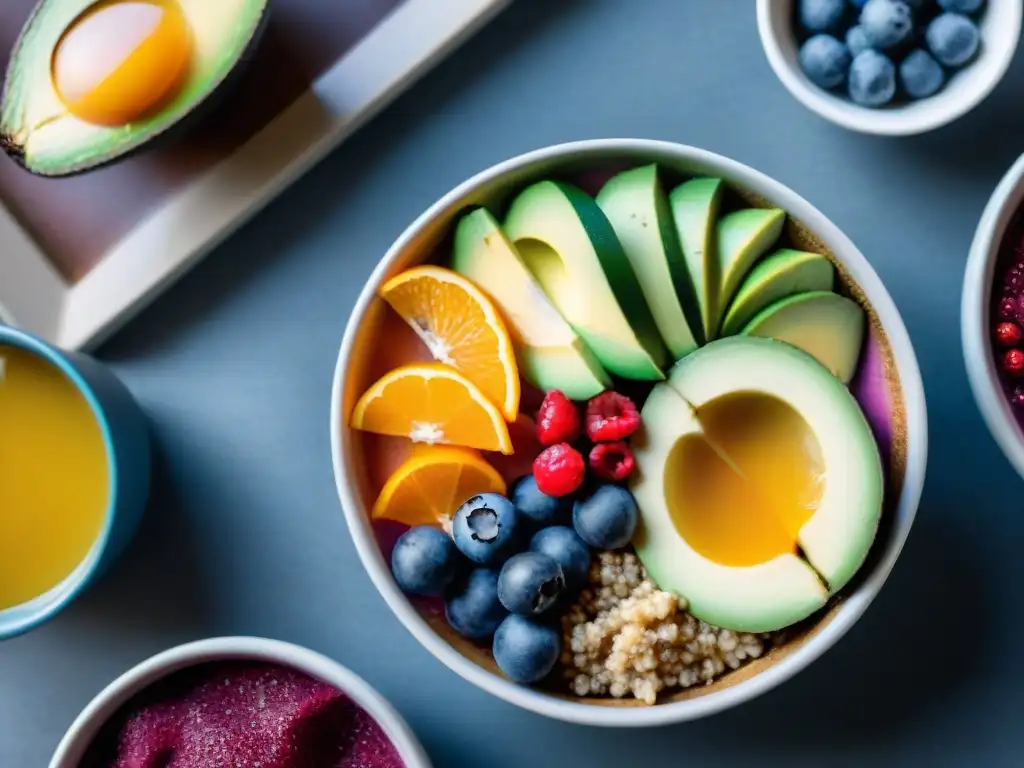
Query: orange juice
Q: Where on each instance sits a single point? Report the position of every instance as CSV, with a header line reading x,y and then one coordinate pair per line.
x,y
54,476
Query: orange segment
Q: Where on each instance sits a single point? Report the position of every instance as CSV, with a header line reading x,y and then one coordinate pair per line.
x,y
432,403
460,327
431,484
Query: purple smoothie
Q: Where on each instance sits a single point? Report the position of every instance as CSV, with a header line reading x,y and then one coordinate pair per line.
x,y
241,713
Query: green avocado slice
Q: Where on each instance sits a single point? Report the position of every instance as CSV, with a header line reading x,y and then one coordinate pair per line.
x,y
827,549
695,205
827,326
775,277
571,249
550,354
743,237
38,131
638,209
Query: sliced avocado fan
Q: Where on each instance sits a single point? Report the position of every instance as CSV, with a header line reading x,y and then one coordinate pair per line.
x,y
63,113
825,325
784,273
695,205
743,237
550,354
638,209
572,250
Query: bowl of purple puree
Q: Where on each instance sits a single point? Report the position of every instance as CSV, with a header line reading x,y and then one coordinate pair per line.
x,y
992,315
239,701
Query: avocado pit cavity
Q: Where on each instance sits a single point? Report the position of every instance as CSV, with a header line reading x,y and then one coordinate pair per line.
x,y
740,491
121,59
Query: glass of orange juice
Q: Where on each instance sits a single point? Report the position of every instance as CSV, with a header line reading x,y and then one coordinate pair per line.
x,y
74,476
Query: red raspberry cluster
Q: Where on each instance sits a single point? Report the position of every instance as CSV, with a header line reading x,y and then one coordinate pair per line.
x,y
609,419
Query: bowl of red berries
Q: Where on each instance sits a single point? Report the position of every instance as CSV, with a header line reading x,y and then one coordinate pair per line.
x,y
992,315
626,433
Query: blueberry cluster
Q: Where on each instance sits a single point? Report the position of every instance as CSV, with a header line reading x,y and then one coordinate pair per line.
x,y
512,566
882,49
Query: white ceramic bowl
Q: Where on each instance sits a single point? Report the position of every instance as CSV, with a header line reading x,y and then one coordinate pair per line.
x,y
975,317
493,188
85,728
1000,26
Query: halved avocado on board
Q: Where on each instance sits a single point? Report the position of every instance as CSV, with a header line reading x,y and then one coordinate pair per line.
x,y
749,547
91,82
571,249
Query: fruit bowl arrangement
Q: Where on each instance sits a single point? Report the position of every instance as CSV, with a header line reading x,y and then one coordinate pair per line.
x,y
892,67
623,423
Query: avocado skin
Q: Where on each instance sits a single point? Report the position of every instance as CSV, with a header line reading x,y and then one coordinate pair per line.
x,y
203,108
621,277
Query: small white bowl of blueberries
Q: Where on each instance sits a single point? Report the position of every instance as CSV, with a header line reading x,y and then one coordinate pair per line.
x,y
890,67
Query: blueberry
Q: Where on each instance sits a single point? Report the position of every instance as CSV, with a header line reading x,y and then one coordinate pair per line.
x,y
526,651
531,503
872,79
921,75
824,60
472,606
606,519
953,39
565,547
484,529
856,40
424,561
886,23
530,583
961,6
821,15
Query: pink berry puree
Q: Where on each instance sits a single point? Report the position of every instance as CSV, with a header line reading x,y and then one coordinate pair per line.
x,y
241,714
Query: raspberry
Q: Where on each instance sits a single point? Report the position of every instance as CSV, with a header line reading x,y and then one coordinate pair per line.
x,y
1013,363
611,416
559,470
557,419
1007,334
612,461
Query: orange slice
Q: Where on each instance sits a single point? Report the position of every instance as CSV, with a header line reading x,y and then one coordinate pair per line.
x,y
431,484
460,327
432,403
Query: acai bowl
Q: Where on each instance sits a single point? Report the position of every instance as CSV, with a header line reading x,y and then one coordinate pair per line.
x,y
239,701
992,315
562,556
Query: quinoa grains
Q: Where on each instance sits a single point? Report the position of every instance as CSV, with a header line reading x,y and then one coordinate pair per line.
x,y
625,637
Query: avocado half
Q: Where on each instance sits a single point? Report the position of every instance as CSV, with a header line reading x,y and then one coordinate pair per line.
x,y
40,133
827,550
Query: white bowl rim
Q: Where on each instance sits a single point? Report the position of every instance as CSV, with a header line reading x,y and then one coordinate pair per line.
x,y
979,278
935,112
855,603
85,727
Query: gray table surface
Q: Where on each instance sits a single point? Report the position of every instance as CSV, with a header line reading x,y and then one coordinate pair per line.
x,y
245,534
